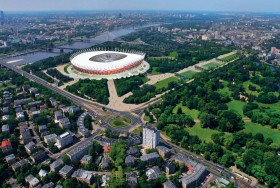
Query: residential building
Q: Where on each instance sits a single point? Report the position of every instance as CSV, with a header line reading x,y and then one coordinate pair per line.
x,y
64,123
30,147
64,140
83,176
83,131
153,173
56,165
32,181
163,151
105,180
51,138
131,178
133,151
169,167
86,159
25,133
6,146
16,166
196,177
42,128
39,156
79,151
105,163
151,136
73,109
66,171
48,185
20,116
168,184
149,157
42,173
130,161
57,116
10,159
6,129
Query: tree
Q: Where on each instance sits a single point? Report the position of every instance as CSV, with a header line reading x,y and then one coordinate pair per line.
x,y
229,121
117,179
65,158
208,120
118,152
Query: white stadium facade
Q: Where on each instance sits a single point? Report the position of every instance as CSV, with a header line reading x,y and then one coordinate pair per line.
x,y
103,62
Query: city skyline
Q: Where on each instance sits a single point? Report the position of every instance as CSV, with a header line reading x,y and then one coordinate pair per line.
x,y
177,5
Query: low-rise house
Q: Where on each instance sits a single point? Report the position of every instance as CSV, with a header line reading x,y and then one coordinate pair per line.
x,y
73,109
133,151
42,128
150,157
35,113
64,123
20,116
39,156
25,133
131,178
79,151
57,116
6,129
5,117
18,109
10,159
105,163
130,161
64,140
86,159
5,110
48,185
49,139
153,173
53,102
34,103
56,165
16,166
163,151
83,176
66,171
32,181
169,167
168,184
6,146
30,147
105,180
33,90
42,173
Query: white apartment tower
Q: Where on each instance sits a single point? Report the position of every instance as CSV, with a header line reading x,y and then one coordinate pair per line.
x,y
151,136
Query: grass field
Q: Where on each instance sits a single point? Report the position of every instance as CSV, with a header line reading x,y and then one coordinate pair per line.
x,y
193,113
154,72
164,83
236,106
211,65
65,68
120,121
5,86
203,133
267,132
174,54
229,58
188,74
246,86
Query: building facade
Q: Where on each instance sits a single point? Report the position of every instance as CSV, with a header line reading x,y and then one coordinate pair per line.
x,y
151,136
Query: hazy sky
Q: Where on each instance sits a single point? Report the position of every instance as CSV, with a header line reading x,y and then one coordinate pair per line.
x,y
191,5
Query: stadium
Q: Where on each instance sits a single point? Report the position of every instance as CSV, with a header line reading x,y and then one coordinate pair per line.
x,y
102,62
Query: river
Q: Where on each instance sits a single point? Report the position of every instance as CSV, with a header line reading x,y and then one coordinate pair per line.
x,y
36,56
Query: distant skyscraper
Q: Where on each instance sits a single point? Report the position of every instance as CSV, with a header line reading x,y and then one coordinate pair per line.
x,y
120,16
151,136
2,17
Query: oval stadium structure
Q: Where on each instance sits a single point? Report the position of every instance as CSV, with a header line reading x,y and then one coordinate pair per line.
x,y
102,62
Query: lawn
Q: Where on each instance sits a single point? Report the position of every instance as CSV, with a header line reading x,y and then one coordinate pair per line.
x,y
203,133
174,54
246,86
120,121
229,58
193,113
275,106
236,106
211,65
254,128
66,68
164,83
188,74
154,72
5,85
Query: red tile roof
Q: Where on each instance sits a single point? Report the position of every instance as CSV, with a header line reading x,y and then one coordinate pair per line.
x,y
5,143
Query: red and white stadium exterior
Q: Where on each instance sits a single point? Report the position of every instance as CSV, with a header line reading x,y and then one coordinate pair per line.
x,y
85,61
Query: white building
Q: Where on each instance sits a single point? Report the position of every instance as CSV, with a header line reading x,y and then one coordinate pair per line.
x,y
64,140
151,136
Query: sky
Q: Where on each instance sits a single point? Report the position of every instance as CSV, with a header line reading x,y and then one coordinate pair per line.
x,y
180,5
